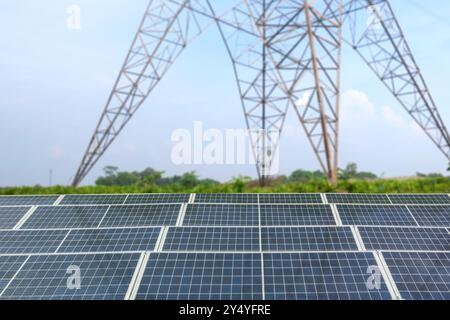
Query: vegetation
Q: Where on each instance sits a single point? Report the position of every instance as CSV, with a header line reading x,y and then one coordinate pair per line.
x,y
301,181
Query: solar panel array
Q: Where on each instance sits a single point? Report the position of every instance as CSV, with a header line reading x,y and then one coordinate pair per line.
x,y
217,246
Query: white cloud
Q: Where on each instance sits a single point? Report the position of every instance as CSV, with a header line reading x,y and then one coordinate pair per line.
x,y
356,105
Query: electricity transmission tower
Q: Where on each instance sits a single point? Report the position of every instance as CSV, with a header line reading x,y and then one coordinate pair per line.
x,y
285,54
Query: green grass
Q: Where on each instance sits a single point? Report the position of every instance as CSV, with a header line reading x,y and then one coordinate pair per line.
x,y
412,185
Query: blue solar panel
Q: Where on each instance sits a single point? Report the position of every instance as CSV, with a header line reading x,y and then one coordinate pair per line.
x,y
227,198
31,241
420,275
322,276
110,240
93,199
202,276
221,215
9,265
374,215
431,216
398,238
10,216
356,198
141,215
27,200
308,239
295,198
59,217
212,239
157,198
420,199
102,277
296,215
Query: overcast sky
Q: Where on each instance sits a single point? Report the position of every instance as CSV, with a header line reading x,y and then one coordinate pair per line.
x,y
54,84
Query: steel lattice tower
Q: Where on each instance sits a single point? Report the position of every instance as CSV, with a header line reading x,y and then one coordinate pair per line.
x,y
285,54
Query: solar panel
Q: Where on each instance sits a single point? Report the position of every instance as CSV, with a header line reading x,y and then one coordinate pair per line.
x,y
290,198
420,198
321,276
308,239
59,217
30,241
89,199
404,239
355,198
420,275
27,200
102,277
212,239
431,216
227,198
110,240
296,215
202,276
221,215
141,215
10,216
374,215
157,198
9,265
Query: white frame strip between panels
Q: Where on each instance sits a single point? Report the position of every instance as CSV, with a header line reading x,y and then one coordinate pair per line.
x,y
192,198
387,276
414,218
161,239
25,218
336,215
58,201
137,276
358,239
14,276
263,287
103,218
324,198
63,240
181,215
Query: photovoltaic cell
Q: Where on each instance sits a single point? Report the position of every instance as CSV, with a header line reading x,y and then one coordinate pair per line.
x,y
405,239
431,216
142,215
9,265
420,198
110,240
355,198
202,276
10,216
27,200
30,241
420,275
103,277
157,198
93,199
221,215
296,215
290,198
227,198
321,276
308,239
59,217
212,239
374,215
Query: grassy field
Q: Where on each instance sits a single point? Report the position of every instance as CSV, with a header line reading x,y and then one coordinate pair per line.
x,y
412,185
